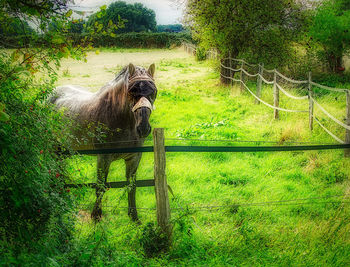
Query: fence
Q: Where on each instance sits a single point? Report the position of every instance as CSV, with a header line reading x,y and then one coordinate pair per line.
x,y
160,182
277,88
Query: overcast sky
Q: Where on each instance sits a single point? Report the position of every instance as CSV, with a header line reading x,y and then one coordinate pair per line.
x,y
166,11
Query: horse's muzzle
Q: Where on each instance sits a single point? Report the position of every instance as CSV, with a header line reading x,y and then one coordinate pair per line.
x,y
143,130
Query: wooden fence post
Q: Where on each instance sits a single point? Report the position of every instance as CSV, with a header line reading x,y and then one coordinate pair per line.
x,y
230,63
311,103
276,96
347,132
241,76
161,186
259,82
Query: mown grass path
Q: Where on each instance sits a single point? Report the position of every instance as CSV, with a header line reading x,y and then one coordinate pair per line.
x,y
192,104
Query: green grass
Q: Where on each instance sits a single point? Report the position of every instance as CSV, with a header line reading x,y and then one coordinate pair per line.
x,y
192,103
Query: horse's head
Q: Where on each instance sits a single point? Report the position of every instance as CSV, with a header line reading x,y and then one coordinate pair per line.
x,y
142,93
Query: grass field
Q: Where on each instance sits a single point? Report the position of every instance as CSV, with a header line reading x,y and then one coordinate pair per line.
x,y
192,104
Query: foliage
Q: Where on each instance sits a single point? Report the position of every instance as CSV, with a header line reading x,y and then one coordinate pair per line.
x,y
35,208
191,100
138,40
135,18
153,240
264,29
12,26
76,26
330,28
201,53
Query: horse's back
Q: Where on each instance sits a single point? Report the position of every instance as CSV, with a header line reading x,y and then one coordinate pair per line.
x,y
70,96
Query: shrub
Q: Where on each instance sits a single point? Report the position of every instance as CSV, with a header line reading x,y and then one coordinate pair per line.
x,y
153,240
33,200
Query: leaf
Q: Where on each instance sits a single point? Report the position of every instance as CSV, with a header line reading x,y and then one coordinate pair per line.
x,y
57,40
3,116
69,13
97,52
104,7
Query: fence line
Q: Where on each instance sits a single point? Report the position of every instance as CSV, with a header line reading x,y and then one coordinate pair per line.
x,y
278,88
271,106
248,74
163,210
264,80
329,132
329,88
330,115
242,204
289,95
213,149
289,79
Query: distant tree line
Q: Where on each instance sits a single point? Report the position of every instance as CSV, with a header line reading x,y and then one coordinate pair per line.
x,y
170,28
120,24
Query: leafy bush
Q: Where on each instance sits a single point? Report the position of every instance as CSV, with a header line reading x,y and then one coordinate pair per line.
x,y
137,40
201,54
35,207
32,176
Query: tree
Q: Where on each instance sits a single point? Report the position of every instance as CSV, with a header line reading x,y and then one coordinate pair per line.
x,y
331,29
262,29
136,17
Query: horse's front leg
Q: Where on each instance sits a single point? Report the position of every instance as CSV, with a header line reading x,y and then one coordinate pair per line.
x,y
131,167
103,164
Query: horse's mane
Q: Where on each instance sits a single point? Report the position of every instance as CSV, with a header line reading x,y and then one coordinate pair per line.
x,y
112,103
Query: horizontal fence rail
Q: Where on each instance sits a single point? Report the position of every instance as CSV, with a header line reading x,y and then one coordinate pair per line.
x,y
119,184
213,149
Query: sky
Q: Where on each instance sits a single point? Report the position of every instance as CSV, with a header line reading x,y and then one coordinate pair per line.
x,y
166,11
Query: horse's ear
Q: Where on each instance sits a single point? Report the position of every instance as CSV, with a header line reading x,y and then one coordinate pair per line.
x,y
131,69
152,69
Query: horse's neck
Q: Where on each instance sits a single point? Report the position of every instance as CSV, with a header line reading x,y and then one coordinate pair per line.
x,y
111,84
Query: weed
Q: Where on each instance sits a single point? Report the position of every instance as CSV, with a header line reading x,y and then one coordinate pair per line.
x,y
153,240
231,179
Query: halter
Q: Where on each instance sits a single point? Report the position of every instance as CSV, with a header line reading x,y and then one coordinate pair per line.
x,y
143,102
143,77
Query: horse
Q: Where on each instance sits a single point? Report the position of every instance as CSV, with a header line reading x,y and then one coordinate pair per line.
x,y
123,106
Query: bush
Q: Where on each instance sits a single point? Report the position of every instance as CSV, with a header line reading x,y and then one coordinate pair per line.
x,y
201,54
34,205
137,40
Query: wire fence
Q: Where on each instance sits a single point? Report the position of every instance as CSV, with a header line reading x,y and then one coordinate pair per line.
x,y
228,73
297,201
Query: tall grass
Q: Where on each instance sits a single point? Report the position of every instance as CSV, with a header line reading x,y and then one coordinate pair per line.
x,y
192,104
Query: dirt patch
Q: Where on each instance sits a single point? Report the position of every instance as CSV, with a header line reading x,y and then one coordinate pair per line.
x,y
101,68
